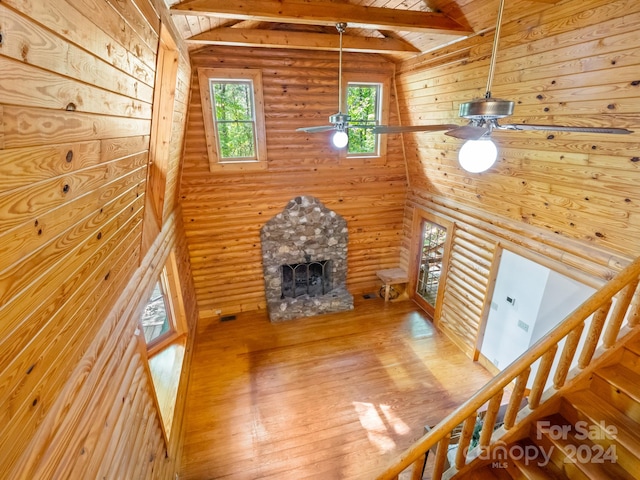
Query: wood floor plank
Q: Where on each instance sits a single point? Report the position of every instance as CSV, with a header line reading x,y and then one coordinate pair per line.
x,y
331,396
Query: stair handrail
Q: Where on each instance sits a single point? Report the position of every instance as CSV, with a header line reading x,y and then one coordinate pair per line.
x,y
627,278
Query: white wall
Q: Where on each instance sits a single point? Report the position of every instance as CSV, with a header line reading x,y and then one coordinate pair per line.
x,y
540,299
561,296
523,281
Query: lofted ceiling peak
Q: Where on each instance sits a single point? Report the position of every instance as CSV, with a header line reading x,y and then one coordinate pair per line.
x,y
399,29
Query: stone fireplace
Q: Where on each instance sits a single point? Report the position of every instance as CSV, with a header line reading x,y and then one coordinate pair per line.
x,y
304,258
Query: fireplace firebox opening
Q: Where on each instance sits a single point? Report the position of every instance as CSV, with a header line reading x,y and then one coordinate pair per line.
x,y
310,278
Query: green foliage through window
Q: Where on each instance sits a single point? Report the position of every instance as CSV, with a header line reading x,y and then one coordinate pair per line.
x,y
363,106
234,116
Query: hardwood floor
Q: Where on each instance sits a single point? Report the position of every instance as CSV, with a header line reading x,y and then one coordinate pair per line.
x,y
327,397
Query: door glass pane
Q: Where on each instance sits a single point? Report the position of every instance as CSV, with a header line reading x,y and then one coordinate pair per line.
x,y
433,240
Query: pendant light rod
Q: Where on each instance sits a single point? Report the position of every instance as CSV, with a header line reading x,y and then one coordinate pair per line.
x,y
494,51
341,27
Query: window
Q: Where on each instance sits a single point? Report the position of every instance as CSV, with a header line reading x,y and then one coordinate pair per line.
x,y
234,118
233,110
164,329
155,319
363,106
160,323
367,104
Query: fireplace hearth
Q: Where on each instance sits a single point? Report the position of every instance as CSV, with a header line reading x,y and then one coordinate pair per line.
x,y
304,257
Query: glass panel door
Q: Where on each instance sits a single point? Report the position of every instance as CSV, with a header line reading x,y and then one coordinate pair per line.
x,y
432,252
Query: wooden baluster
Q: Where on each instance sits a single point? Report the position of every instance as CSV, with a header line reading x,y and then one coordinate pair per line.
x,y
516,399
441,456
418,466
633,318
569,350
540,381
489,422
465,438
593,336
619,311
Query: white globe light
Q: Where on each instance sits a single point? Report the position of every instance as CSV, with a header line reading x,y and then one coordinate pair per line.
x,y
477,156
340,139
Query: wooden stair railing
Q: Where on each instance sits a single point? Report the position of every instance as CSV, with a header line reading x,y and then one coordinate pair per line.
x,y
607,320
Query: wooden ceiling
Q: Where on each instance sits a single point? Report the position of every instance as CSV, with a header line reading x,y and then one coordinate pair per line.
x,y
399,29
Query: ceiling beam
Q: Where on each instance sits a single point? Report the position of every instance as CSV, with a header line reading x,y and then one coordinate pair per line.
x,y
301,40
323,13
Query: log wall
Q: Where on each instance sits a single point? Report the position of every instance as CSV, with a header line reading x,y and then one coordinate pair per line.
x,y
76,95
223,212
568,200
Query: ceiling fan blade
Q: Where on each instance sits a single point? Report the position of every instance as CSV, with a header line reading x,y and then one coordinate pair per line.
x,y
322,128
468,132
561,128
411,128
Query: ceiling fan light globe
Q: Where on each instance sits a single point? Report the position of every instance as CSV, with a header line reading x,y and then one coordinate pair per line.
x,y
340,139
477,156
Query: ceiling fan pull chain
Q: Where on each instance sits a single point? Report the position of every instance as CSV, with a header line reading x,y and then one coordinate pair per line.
x,y
494,51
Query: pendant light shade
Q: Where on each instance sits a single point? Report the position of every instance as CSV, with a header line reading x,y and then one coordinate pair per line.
x,y
477,156
340,139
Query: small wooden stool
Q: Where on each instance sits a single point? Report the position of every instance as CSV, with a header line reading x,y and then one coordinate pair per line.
x,y
391,276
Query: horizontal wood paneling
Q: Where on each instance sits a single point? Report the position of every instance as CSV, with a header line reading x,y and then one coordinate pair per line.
x,y
577,185
466,288
223,213
75,109
568,200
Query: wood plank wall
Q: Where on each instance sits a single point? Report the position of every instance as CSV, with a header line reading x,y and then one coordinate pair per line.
x,y
76,96
223,212
468,277
570,201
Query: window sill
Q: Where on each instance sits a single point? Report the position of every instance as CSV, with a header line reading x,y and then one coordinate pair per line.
x,y
363,160
166,370
235,167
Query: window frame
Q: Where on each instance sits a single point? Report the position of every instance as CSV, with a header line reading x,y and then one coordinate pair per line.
x,y
421,216
216,163
384,80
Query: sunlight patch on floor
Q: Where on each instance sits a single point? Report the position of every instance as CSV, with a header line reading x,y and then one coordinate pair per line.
x,y
396,371
399,427
420,327
381,424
